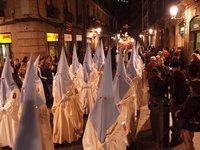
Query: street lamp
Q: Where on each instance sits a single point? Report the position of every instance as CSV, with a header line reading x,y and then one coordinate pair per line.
x,y
98,30
150,37
150,31
173,11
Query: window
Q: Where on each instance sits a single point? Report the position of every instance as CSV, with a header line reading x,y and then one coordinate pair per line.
x,y
52,12
2,5
79,12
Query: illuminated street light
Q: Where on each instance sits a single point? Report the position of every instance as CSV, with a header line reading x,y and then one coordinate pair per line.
x,y
140,35
98,30
173,11
150,31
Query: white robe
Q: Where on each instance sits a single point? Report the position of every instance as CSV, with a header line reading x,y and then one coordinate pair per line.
x,y
89,91
9,119
78,78
45,128
68,117
116,138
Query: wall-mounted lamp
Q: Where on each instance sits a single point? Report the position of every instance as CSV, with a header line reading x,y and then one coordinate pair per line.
x,y
150,31
141,36
98,30
173,11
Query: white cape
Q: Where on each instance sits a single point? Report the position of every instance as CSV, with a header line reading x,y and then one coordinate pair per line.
x,y
9,119
68,116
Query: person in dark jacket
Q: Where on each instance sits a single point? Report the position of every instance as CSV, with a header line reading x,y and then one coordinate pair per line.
x,y
180,92
191,109
194,68
157,91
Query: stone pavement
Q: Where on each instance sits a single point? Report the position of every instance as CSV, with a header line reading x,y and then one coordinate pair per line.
x,y
143,139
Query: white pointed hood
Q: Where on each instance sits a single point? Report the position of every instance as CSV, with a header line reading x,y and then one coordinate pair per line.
x,y
28,135
87,63
104,112
120,83
7,82
99,56
62,78
29,85
75,62
139,60
131,68
121,70
36,63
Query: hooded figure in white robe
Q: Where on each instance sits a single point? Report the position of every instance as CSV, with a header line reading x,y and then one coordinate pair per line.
x,y
133,72
67,110
99,56
9,106
131,67
76,70
120,83
124,95
30,90
28,136
91,80
103,131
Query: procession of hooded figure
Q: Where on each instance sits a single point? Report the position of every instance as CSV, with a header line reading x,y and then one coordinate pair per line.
x,y
108,99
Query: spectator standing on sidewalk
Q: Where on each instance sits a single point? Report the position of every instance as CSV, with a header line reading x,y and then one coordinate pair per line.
x,y
157,90
194,68
180,92
190,111
45,75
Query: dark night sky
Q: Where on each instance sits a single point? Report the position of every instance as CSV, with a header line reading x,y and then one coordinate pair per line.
x,y
126,13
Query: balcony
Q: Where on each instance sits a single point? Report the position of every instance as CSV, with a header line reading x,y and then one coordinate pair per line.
x,y
68,16
52,12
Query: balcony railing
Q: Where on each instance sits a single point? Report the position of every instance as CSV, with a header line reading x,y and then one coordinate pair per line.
x,y
52,12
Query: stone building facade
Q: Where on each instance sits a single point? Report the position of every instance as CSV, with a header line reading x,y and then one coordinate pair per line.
x,y
45,26
181,32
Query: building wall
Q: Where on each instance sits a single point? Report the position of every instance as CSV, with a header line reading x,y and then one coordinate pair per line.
x,y
27,22
28,37
170,28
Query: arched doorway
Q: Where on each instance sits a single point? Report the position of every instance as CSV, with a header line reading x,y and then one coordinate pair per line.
x,y
195,33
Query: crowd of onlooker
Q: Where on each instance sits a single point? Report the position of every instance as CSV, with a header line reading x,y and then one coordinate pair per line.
x,y
168,76
46,70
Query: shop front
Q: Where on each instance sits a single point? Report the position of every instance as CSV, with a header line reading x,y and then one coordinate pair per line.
x,y
5,44
52,43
